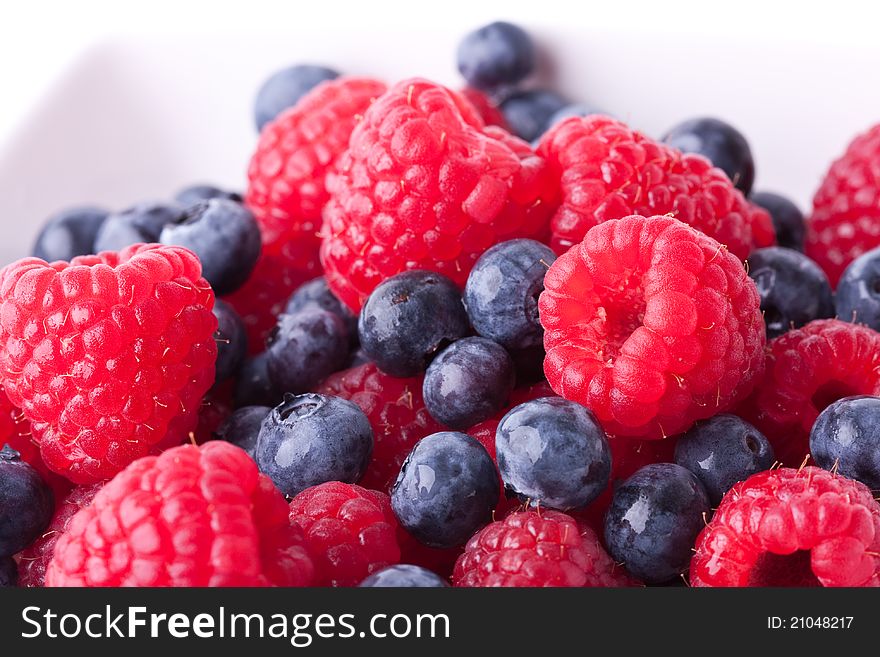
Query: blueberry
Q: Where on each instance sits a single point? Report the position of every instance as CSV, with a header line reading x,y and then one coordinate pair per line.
x,y
284,89
468,382
719,142
242,427
358,357
654,519
8,573
311,439
225,237
195,193
494,55
69,233
858,291
575,109
404,575
139,223
502,290
528,113
409,318
253,386
446,490
231,341
553,453
26,503
788,220
316,293
723,451
305,348
847,434
794,290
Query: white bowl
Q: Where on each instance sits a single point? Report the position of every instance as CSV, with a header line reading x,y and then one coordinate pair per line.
x,y
139,118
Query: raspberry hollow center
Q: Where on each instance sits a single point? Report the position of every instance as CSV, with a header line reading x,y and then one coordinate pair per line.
x,y
788,570
624,312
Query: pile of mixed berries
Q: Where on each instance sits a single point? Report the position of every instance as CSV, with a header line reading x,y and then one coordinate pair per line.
x,y
483,337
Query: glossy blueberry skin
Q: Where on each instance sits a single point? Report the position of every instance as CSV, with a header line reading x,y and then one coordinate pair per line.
x,y
316,293
26,503
793,289
225,237
494,55
284,88
409,318
446,489
654,519
502,290
722,451
848,433
196,193
8,573
305,348
253,386
311,439
404,575
231,341
528,113
140,223
468,382
788,220
857,298
243,427
69,233
553,453
721,144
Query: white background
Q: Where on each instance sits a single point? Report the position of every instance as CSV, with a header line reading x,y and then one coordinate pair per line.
x,y
114,102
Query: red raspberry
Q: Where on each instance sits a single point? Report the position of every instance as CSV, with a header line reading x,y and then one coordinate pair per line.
x,y
34,560
488,111
424,185
107,356
396,411
192,516
846,210
279,271
15,431
213,411
608,171
537,548
652,325
286,193
788,527
806,370
351,532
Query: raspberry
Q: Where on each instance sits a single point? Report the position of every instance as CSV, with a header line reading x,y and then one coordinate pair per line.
x,y
806,370
397,414
488,111
286,193
192,516
286,189
788,527
15,431
351,532
424,185
608,171
107,356
537,548
34,560
652,325
279,271
846,210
